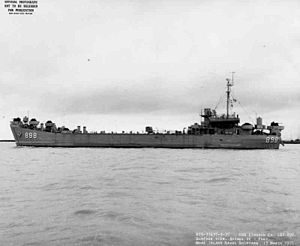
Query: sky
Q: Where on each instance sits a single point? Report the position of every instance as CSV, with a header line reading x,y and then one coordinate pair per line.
x,y
122,65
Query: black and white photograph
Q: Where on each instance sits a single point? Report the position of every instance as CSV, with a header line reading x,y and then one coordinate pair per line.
x,y
150,122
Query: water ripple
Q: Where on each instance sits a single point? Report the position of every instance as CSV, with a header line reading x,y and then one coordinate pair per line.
x,y
217,180
85,212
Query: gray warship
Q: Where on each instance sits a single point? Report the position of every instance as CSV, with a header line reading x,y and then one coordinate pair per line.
x,y
214,131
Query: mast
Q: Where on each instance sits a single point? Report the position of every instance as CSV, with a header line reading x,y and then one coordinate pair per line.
x,y
228,94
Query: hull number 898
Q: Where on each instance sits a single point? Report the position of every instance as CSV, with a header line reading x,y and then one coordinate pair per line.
x,y
30,135
271,139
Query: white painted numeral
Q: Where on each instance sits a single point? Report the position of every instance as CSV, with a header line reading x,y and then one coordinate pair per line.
x,y
271,139
30,135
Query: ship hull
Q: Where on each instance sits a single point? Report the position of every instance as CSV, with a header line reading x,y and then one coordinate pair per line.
x,y
36,138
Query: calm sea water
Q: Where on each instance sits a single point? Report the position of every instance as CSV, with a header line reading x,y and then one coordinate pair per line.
x,y
105,196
